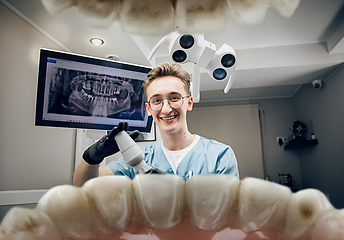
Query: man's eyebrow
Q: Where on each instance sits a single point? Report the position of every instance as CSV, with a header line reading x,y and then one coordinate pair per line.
x,y
155,95
169,94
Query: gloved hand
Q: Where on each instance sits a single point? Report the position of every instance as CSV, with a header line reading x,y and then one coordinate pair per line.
x,y
107,145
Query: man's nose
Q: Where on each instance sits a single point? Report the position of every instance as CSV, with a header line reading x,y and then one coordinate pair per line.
x,y
166,108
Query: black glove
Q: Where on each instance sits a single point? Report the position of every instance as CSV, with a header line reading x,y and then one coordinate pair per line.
x,y
107,145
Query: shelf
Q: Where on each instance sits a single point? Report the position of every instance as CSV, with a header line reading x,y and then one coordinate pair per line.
x,y
301,144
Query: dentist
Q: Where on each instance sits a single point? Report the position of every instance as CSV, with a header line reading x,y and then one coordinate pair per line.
x,y
180,152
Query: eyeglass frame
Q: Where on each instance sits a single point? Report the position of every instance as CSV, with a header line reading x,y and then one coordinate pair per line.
x,y
162,102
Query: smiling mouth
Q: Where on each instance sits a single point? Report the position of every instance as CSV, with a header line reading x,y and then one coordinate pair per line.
x,y
167,207
168,118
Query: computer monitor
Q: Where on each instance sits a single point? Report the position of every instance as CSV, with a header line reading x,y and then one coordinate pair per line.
x,y
77,91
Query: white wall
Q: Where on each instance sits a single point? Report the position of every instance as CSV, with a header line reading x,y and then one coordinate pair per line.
x,y
237,126
30,157
277,116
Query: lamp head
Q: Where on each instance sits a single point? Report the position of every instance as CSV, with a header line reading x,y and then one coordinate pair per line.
x,y
222,64
193,48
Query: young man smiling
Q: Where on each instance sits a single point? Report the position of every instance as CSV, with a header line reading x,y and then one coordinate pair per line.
x,y
180,152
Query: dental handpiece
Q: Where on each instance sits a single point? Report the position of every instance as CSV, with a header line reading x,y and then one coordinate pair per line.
x,y
133,154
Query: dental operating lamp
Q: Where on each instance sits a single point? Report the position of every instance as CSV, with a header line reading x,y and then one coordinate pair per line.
x,y
220,64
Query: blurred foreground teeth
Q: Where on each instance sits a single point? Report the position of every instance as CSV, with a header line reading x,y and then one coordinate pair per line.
x,y
26,224
262,205
112,198
160,199
159,17
69,208
100,13
201,16
210,199
330,226
147,17
304,209
167,207
57,6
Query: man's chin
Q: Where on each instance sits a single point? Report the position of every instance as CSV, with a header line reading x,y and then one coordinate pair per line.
x,y
169,129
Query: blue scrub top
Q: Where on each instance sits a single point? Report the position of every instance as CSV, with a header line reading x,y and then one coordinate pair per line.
x,y
206,157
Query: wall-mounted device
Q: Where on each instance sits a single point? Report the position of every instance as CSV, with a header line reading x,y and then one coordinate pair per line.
x,y
193,48
78,91
298,139
317,84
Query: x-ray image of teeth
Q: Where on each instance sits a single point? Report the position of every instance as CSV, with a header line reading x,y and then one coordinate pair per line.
x,y
84,93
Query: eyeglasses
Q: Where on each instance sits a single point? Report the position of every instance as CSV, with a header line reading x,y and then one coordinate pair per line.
x,y
175,101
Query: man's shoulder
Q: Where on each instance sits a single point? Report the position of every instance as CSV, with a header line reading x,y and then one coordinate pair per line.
x,y
211,143
150,147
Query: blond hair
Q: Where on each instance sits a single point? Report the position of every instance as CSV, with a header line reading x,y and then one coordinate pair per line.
x,y
167,69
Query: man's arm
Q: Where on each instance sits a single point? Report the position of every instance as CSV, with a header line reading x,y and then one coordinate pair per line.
x,y
85,172
89,166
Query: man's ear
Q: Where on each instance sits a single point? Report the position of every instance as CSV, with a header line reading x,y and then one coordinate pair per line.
x,y
148,109
190,103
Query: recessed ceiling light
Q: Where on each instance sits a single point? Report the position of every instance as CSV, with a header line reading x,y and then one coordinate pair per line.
x,y
97,41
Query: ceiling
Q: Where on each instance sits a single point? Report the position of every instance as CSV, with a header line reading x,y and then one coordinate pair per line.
x,y
274,58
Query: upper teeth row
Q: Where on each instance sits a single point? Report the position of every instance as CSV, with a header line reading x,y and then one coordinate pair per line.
x,y
168,118
210,202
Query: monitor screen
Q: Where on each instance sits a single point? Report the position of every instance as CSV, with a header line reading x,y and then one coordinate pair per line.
x,y
86,92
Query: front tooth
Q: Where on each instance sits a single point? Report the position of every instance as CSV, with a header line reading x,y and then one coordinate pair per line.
x,y
210,198
304,208
160,199
26,224
140,16
330,226
112,197
201,15
55,7
69,209
262,205
98,13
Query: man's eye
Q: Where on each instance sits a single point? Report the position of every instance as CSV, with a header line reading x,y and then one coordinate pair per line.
x,y
175,98
156,101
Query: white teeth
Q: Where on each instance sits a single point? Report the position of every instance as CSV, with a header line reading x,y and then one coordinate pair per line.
x,y
148,17
210,199
69,209
227,208
330,226
26,224
262,205
201,16
57,6
112,198
304,208
160,199
160,17
168,118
